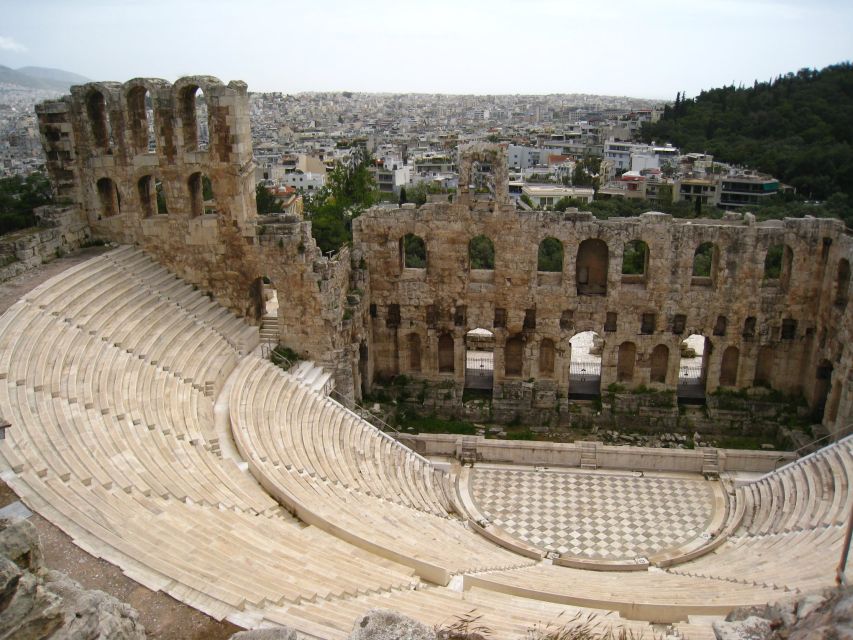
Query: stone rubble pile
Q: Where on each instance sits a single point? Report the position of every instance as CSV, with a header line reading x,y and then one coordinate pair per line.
x,y
37,603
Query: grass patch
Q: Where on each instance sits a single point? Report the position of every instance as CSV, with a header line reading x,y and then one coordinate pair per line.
x,y
743,442
434,424
476,394
519,433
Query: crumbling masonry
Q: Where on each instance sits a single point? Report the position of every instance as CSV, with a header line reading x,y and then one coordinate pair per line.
x,y
365,314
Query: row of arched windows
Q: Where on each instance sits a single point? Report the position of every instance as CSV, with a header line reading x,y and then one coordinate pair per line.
x,y
593,258
626,359
152,196
142,121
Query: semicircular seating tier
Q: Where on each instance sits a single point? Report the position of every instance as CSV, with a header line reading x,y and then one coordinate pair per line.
x,y
340,473
108,373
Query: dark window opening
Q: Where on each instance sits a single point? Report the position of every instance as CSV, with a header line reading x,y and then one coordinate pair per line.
x,y
500,319
392,321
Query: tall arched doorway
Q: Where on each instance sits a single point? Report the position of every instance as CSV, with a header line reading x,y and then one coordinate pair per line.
x,y
585,366
479,359
693,369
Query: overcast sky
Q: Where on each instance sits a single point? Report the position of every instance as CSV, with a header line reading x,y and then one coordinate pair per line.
x,y
644,49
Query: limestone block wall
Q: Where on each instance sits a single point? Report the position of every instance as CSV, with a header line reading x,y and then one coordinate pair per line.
x,y
134,158
61,229
191,205
782,329
561,454
97,144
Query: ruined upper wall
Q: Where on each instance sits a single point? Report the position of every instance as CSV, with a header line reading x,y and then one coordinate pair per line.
x,y
189,203
792,324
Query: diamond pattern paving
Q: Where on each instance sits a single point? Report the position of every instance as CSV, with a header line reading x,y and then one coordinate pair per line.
x,y
593,515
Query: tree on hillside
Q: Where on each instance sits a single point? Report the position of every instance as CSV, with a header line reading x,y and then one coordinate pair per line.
x,y
349,190
19,196
266,202
796,127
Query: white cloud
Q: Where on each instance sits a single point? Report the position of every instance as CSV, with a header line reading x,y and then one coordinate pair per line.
x,y
9,44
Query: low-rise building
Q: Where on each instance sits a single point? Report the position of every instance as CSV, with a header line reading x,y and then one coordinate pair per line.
x,y
544,195
747,188
703,188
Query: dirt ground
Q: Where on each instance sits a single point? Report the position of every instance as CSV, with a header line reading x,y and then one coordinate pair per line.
x,y
164,617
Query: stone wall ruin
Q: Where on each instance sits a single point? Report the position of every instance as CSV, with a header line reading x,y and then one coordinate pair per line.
x,y
147,166
789,331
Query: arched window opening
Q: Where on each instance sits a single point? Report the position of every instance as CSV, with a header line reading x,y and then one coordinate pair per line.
x,y
547,354
693,368
550,258
194,119
585,365
729,367
721,325
482,180
202,199
777,265
764,364
479,359
141,120
481,253
446,356
842,284
147,196
659,363
513,356
625,361
160,192
413,252
96,110
705,264
109,198
592,265
635,261
414,343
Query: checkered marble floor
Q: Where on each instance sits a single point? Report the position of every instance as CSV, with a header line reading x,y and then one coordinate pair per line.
x,y
596,514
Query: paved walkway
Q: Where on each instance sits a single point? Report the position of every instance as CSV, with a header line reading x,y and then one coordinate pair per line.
x,y
598,514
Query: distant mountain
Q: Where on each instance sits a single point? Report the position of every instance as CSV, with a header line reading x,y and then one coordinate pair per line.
x,y
40,78
54,75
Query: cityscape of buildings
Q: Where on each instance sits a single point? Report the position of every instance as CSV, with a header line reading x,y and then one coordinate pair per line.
x,y
413,139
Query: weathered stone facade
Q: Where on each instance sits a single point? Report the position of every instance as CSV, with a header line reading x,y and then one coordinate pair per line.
x,y
100,158
365,314
61,229
796,327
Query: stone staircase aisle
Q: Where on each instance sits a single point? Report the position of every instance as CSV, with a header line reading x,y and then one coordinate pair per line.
x,y
317,378
269,329
589,457
710,462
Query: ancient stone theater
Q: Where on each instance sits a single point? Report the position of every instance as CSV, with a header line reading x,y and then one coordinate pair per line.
x,y
149,424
